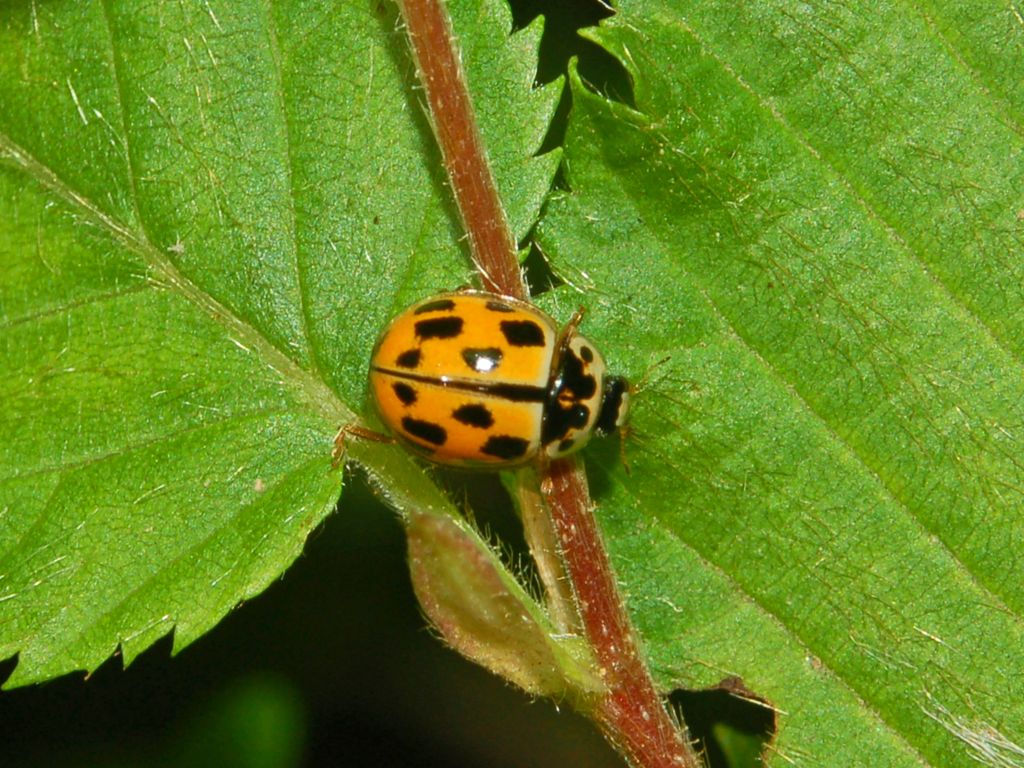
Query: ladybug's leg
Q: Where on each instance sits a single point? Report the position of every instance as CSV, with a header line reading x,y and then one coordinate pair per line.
x,y
358,431
624,434
568,332
574,324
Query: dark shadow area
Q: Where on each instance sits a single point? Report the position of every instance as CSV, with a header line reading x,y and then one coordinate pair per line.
x,y
562,18
333,663
560,43
537,272
599,70
6,667
731,725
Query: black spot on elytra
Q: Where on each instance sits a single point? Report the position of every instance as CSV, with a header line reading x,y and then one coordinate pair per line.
x,y
408,359
405,393
427,431
439,328
482,360
522,333
587,354
474,415
505,447
498,306
440,305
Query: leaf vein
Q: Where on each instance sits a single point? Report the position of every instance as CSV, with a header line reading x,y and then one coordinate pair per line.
x,y
986,87
44,513
791,386
312,389
788,630
97,298
185,555
132,447
303,297
121,105
859,198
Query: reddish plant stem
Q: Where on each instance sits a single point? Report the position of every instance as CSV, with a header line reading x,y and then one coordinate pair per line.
x,y
631,715
451,112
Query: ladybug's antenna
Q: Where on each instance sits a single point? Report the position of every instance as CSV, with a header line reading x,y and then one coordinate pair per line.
x,y
564,337
574,323
645,380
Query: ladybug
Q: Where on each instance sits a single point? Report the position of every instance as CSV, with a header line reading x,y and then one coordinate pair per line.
x,y
476,379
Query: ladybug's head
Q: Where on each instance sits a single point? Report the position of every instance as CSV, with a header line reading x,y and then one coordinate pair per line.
x,y
614,405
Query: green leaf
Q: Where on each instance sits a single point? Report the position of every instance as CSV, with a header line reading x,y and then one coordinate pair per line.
x,y
208,211
815,211
482,612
